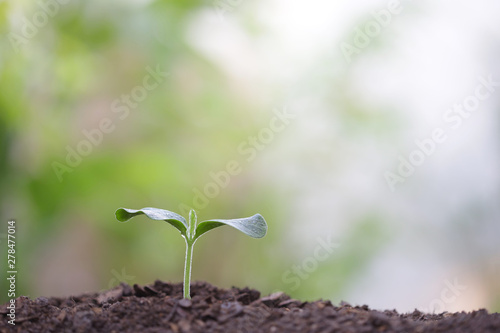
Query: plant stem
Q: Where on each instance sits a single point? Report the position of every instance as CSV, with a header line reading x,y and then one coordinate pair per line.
x,y
187,268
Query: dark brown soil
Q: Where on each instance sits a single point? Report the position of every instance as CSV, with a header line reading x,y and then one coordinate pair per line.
x,y
160,308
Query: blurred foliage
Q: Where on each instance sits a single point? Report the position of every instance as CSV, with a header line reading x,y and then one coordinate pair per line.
x,y
63,81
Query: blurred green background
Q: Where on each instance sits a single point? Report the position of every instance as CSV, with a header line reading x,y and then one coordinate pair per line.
x,y
143,103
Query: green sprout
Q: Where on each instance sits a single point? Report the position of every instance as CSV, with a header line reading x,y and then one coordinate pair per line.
x,y
254,226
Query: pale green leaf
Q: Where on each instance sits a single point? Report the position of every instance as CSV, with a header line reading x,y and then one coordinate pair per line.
x,y
253,226
177,221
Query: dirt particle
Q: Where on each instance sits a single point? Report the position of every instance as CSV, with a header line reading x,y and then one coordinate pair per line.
x,y
185,303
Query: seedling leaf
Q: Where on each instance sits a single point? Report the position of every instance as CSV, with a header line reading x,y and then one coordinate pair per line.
x,y
177,221
254,226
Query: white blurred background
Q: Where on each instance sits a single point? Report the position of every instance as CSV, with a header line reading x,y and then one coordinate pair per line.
x,y
443,222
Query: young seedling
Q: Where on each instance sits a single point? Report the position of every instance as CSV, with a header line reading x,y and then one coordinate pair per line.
x,y
254,226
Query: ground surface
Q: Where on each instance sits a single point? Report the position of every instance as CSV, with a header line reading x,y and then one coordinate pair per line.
x,y
160,308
